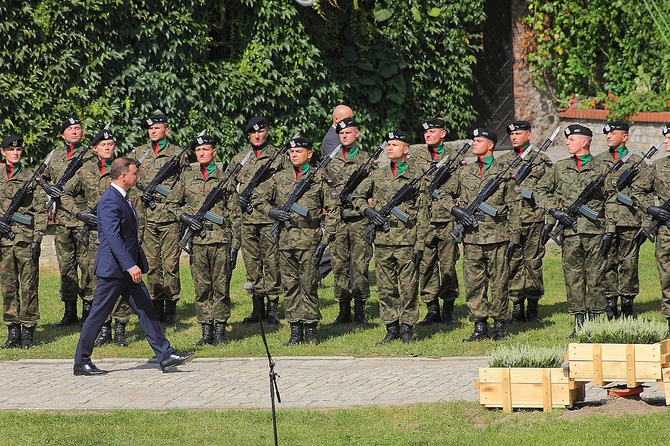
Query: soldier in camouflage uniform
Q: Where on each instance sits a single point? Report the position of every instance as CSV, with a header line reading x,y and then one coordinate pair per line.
x,y
69,252
399,246
160,233
91,181
488,241
211,261
621,273
584,250
19,266
350,254
300,247
261,259
526,282
438,278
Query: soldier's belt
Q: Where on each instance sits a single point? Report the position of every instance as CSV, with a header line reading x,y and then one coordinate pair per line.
x,y
399,224
307,224
497,219
353,218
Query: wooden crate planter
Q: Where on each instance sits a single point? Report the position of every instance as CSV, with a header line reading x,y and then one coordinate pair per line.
x,y
629,363
517,387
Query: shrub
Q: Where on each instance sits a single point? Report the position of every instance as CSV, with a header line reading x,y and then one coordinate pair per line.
x,y
622,331
523,355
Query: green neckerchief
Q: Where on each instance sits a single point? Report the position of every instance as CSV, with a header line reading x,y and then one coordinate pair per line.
x,y
159,146
485,163
582,160
260,149
523,148
398,168
439,150
105,166
302,170
350,153
211,167
13,169
622,151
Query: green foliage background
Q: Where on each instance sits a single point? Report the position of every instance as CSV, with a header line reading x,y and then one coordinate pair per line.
x,y
214,64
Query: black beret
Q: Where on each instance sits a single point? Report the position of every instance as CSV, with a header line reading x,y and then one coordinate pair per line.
x,y
616,125
72,120
485,133
399,135
158,118
577,129
102,136
12,140
300,141
518,125
205,140
346,122
255,124
666,129
433,123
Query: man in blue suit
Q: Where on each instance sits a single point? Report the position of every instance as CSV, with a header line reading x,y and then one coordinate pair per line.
x,y
119,265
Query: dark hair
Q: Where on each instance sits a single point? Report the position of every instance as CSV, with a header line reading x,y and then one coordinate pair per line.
x,y
120,166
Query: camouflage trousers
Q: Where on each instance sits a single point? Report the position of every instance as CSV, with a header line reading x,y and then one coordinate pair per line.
x,y
162,251
17,270
438,277
663,266
122,311
583,269
210,270
300,278
621,271
75,278
525,267
350,259
485,265
261,262
397,284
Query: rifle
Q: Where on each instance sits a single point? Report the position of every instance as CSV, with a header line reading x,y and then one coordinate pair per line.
x,y
245,195
391,207
479,203
358,176
204,211
12,215
649,232
446,171
82,236
579,205
292,202
73,167
627,176
524,170
149,195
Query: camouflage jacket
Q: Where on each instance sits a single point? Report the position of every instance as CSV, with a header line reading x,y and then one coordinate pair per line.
x,y
32,206
53,173
654,182
338,172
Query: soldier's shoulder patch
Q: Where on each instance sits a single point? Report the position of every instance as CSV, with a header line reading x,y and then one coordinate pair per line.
x,y
549,162
517,189
649,163
464,163
133,152
614,181
334,193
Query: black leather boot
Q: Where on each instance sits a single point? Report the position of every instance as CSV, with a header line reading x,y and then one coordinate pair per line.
x,y
433,314
392,333
219,334
27,337
310,333
297,336
532,311
105,336
272,317
120,334
159,307
359,312
448,312
207,335
170,313
259,307
13,336
344,316
579,322
627,306
69,314
611,307
406,334
86,307
481,332
593,316
499,332
518,312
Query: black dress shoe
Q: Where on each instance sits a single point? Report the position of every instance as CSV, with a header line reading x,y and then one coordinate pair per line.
x,y
88,370
172,361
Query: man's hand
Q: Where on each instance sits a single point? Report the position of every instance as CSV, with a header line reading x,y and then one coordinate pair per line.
x,y
35,251
605,243
88,217
374,216
566,219
5,228
545,234
52,191
233,258
246,205
659,213
509,251
135,274
191,222
416,257
279,214
463,217
318,254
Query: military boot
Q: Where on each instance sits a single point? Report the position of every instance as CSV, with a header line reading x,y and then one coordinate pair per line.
x,y
27,337
579,322
13,336
219,333
593,316
86,307
406,334
499,332
433,314
611,307
170,313
297,336
69,315
105,336
310,333
392,333
448,312
207,335
518,312
532,311
258,303
159,307
359,312
271,313
627,306
344,316
481,332
120,334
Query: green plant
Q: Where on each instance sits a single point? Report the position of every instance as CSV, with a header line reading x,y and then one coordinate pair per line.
x,y
622,331
525,355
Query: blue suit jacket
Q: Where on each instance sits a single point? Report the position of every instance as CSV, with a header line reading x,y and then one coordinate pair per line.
x,y
120,247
